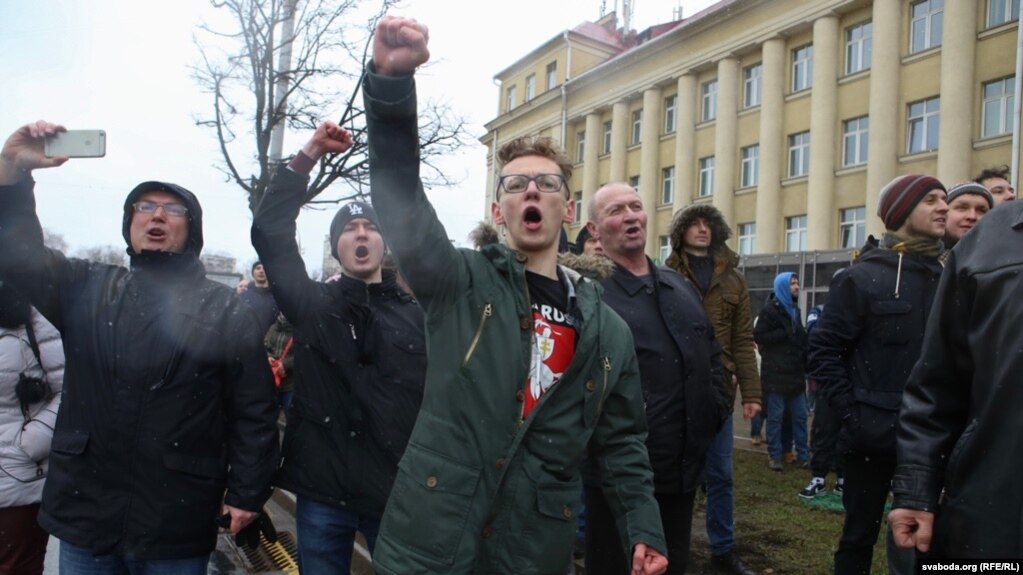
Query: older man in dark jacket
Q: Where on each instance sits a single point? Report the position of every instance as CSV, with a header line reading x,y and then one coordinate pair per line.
x,y
960,437
679,366
862,350
168,398
360,357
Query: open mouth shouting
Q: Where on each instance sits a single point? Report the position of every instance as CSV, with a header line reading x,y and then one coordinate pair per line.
x,y
361,252
532,218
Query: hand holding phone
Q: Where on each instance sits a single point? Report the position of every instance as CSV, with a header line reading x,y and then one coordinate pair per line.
x,y
77,144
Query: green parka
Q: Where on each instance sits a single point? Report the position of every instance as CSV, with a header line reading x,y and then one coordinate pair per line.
x,y
479,489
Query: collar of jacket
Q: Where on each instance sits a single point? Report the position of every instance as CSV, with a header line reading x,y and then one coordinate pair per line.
x,y
167,267
513,264
724,260
631,282
360,291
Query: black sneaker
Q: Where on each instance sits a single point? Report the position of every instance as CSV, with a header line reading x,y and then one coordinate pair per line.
x,y
813,489
775,465
729,563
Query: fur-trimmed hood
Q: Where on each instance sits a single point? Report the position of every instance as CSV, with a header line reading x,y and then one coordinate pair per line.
x,y
720,232
595,267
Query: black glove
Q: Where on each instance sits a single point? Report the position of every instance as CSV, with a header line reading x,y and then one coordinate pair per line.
x,y
249,536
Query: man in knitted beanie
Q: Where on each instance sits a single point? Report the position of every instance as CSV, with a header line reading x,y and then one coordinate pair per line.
x,y
967,204
863,349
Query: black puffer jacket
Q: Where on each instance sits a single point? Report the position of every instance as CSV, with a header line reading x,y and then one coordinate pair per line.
x,y
782,345
862,350
360,362
959,428
168,398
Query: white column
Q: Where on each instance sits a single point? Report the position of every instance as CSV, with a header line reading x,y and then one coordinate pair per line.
x,y
772,153
820,197
619,140
882,140
685,150
650,163
725,152
591,163
958,47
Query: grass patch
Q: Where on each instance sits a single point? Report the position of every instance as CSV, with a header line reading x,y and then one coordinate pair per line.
x,y
775,531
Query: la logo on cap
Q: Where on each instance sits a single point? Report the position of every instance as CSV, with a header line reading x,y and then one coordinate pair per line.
x,y
354,209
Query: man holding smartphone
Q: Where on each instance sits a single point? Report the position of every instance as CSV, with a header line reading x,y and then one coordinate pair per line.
x,y
168,399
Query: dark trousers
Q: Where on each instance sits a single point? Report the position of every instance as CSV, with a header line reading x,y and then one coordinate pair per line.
x,y
604,553
825,451
23,546
867,482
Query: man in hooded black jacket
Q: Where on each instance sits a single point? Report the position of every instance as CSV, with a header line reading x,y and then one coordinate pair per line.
x,y
862,351
360,357
168,399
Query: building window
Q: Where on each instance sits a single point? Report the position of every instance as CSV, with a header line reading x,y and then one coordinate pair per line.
x,y
667,186
710,101
857,47
552,75
530,87
854,141
852,232
999,103
1001,11
747,238
750,166
923,122
802,68
637,126
607,137
752,82
578,197
634,182
925,24
580,146
665,248
670,107
799,154
706,176
511,98
795,233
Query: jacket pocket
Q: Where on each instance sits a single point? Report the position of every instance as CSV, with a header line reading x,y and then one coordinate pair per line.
x,y
952,472
69,443
891,317
430,503
874,431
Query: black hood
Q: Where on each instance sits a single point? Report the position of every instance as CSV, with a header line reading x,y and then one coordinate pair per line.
x,y
194,243
719,229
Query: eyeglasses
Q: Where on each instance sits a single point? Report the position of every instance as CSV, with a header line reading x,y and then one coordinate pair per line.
x,y
518,183
147,207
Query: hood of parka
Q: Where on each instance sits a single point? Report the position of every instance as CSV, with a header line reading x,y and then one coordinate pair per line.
x,y
194,243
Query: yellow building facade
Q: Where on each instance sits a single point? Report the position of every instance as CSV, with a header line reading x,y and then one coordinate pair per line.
x,y
788,115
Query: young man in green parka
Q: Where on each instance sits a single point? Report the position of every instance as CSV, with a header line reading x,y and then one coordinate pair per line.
x,y
529,372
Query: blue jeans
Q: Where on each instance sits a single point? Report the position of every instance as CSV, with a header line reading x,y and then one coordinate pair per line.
x,y
80,561
795,404
720,495
326,535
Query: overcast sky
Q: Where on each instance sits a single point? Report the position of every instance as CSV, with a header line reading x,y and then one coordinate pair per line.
x,y
123,66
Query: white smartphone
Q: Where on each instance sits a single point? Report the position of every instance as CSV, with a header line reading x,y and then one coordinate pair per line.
x,y
77,144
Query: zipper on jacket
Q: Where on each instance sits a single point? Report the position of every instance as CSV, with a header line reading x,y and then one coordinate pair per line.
x,y
488,310
606,364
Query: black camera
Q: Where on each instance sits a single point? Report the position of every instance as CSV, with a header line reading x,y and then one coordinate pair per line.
x,y
30,390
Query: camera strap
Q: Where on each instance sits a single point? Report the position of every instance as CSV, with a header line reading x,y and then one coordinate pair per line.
x,y
34,344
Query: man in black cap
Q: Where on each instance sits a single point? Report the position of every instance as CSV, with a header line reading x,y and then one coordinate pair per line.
x,y
168,400
360,360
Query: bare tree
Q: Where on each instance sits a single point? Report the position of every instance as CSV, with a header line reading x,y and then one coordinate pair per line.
x,y
254,90
54,241
104,254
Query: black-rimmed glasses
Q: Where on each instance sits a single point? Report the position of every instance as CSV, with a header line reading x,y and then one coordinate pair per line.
x,y
518,183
